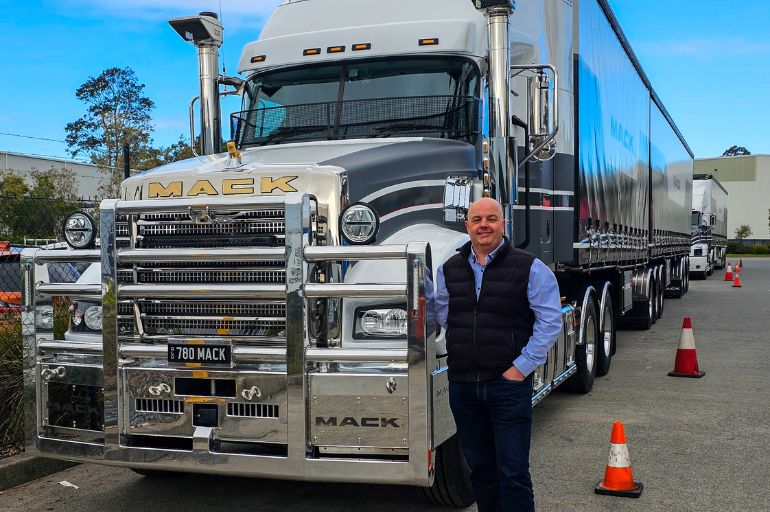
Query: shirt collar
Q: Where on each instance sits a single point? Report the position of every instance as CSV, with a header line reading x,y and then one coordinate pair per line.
x,y
491,255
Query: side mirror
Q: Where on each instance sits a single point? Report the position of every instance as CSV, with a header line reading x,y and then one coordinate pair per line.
x,y
457,199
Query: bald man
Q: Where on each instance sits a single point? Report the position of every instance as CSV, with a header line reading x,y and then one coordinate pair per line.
x,y
502,313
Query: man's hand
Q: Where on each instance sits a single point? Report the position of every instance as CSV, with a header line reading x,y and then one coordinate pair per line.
x,y
514,374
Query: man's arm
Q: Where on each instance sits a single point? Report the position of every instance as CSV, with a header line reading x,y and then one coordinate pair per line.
x,y
442,298
545,302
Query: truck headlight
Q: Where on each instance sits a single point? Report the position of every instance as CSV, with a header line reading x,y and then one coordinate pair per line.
x,y
86,316
80,230
383,322
44,317
359,224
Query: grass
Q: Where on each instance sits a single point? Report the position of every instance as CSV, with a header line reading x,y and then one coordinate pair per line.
x,y
11,388
748,256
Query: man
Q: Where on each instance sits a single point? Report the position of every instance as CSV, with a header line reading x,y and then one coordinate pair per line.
x,y
502,312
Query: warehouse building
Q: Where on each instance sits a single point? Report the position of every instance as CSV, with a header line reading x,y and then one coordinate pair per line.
x,y
747,180
88,177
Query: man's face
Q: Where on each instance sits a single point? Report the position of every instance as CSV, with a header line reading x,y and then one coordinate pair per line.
x,y
485,224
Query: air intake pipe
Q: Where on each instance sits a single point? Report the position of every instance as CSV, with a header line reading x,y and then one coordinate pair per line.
x,y
205,32
502,148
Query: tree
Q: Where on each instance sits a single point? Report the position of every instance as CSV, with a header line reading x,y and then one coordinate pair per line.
x,y
155,157
736,151
117,113
743,232
37,211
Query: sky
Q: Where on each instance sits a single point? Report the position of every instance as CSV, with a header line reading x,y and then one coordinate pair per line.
x,y
708,60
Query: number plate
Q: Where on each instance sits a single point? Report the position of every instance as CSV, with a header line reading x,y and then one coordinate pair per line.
x,y
180,353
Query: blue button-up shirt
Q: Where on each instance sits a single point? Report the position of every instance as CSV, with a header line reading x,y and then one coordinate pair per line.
x,y
544,300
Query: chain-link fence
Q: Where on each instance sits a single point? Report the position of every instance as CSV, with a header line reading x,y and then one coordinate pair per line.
x,y
26,222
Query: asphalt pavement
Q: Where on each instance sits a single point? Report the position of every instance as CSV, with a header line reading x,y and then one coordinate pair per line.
x,y
696,444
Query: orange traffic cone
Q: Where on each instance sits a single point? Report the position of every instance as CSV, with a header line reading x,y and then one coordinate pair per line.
x,y
686,362
737,282
738,268
618,476
729,273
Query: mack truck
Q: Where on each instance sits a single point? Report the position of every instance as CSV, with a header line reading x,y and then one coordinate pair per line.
x,y
708,226
266,309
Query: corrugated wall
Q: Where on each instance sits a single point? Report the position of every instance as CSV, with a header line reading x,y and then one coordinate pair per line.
x,y
747,180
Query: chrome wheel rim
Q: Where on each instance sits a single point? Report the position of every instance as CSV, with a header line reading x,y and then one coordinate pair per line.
x,y
590,342
607,331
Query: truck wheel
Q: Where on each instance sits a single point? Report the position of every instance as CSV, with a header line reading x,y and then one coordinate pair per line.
x,y
653,302
660,297
606,342
452,482
585,355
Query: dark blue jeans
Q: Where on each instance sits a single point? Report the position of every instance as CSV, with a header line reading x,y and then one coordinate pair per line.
x,y
494,422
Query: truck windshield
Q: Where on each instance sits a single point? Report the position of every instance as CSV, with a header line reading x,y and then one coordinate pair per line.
x,y
416,97
695,219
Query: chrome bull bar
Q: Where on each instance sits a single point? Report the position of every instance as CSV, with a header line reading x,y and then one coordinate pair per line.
x,y
299,354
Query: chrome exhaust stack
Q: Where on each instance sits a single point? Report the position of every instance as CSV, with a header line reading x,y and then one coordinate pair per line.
x,y
205,32
502,160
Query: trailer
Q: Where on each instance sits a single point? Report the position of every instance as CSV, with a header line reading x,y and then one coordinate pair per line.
x,y
708,226
267,311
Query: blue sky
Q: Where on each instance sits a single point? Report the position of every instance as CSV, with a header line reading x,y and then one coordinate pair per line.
x,y
709,62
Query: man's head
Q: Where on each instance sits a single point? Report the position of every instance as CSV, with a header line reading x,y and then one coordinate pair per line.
x,y
485,224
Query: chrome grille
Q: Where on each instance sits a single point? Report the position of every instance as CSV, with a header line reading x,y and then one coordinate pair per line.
x,y
247,410
261,228
273,309
192,326
159,405
210,276
261,322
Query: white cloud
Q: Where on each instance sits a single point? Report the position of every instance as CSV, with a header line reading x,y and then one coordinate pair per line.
x,y
703,48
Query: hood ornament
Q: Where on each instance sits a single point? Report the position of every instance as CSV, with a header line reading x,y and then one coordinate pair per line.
x,y
201,216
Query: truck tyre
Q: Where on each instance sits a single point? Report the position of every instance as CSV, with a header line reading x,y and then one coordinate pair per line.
x,y
606,341
452,482
660,296
585,355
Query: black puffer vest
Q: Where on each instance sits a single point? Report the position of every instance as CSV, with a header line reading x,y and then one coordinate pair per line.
x,y
484,336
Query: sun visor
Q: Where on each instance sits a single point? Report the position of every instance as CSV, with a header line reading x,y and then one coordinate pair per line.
x,y
461,37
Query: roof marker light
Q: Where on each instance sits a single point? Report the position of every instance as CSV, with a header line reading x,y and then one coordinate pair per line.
x,y
428,42
312,51
258,58
335,49
362,46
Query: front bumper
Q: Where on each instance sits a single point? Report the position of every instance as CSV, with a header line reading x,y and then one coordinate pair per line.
x,y
298,411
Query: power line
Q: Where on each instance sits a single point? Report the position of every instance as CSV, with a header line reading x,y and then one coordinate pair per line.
x,y
31,137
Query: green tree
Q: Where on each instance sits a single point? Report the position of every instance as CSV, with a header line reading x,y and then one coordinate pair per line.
x,y
37,211
736,151
117,113
743,232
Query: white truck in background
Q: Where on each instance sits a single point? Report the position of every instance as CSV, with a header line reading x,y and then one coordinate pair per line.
x,y
708,225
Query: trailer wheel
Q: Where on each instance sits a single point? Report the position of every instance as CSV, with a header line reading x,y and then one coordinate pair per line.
x,y
660,295
606,342
585,355
687,275
452,482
